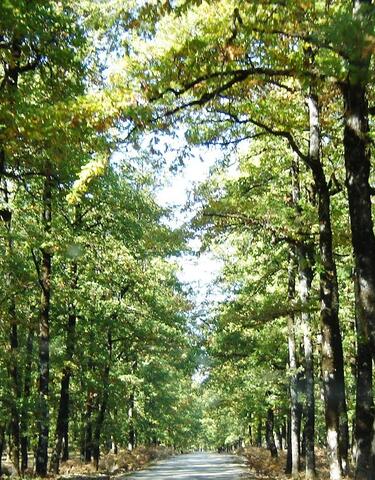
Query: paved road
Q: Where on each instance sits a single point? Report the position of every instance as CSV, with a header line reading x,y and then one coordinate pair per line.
x,y
195,466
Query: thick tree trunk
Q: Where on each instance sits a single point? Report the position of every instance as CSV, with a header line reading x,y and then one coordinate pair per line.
x,y
332,352
357,163
44,319
357,166
26,400
270,433
62,425
364,413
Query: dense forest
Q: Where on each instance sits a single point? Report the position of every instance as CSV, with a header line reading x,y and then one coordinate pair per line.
x,y
103,347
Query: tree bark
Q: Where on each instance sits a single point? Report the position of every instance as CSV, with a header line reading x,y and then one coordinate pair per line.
x,y
293,385
332,351
132,437
26,400
364,412
305,281
104,402
13,367
270,433
44,320
259,433
87,447
62,424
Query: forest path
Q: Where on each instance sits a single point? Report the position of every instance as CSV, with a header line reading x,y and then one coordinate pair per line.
x,y
195,466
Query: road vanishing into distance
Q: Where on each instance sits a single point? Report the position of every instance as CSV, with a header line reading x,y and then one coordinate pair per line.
x,y
195,466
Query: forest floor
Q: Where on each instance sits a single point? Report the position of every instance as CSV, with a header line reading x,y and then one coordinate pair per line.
x,y
113,464
263,466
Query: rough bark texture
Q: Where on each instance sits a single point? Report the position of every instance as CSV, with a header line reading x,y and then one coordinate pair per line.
x,y
41,462
357,166
332,352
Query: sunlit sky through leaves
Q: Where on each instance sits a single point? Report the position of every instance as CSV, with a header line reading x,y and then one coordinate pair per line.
x,y
197,270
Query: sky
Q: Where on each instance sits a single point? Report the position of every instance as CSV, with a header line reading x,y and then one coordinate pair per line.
x,y
198,271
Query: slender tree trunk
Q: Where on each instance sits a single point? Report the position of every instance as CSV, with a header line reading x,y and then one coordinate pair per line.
x,y
2,445
104,403
270,433
132,438
44,320
62,425
26,400
259,433
16,396
288,464
132,434
14,373
250,433
364,413
332,352
305,280
293,385
87,437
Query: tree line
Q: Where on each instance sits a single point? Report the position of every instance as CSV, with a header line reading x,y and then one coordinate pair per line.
x,y
285,89
91,301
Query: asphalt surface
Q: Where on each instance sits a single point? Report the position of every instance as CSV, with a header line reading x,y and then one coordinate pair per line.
x,y
195,466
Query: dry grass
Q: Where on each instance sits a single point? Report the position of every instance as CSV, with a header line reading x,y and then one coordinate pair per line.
x,y
263,466
112,464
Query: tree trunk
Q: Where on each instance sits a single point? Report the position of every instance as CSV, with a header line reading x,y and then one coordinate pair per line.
x,y
305,280
26,400
13,366
87,437
2,444
288,464
104,403
62,425
270,433
132,438
332,352
293,385
364,413
259,433
132,434
44,319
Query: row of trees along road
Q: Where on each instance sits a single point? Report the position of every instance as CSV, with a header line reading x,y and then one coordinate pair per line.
x,y
90,301
91,305
292,82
